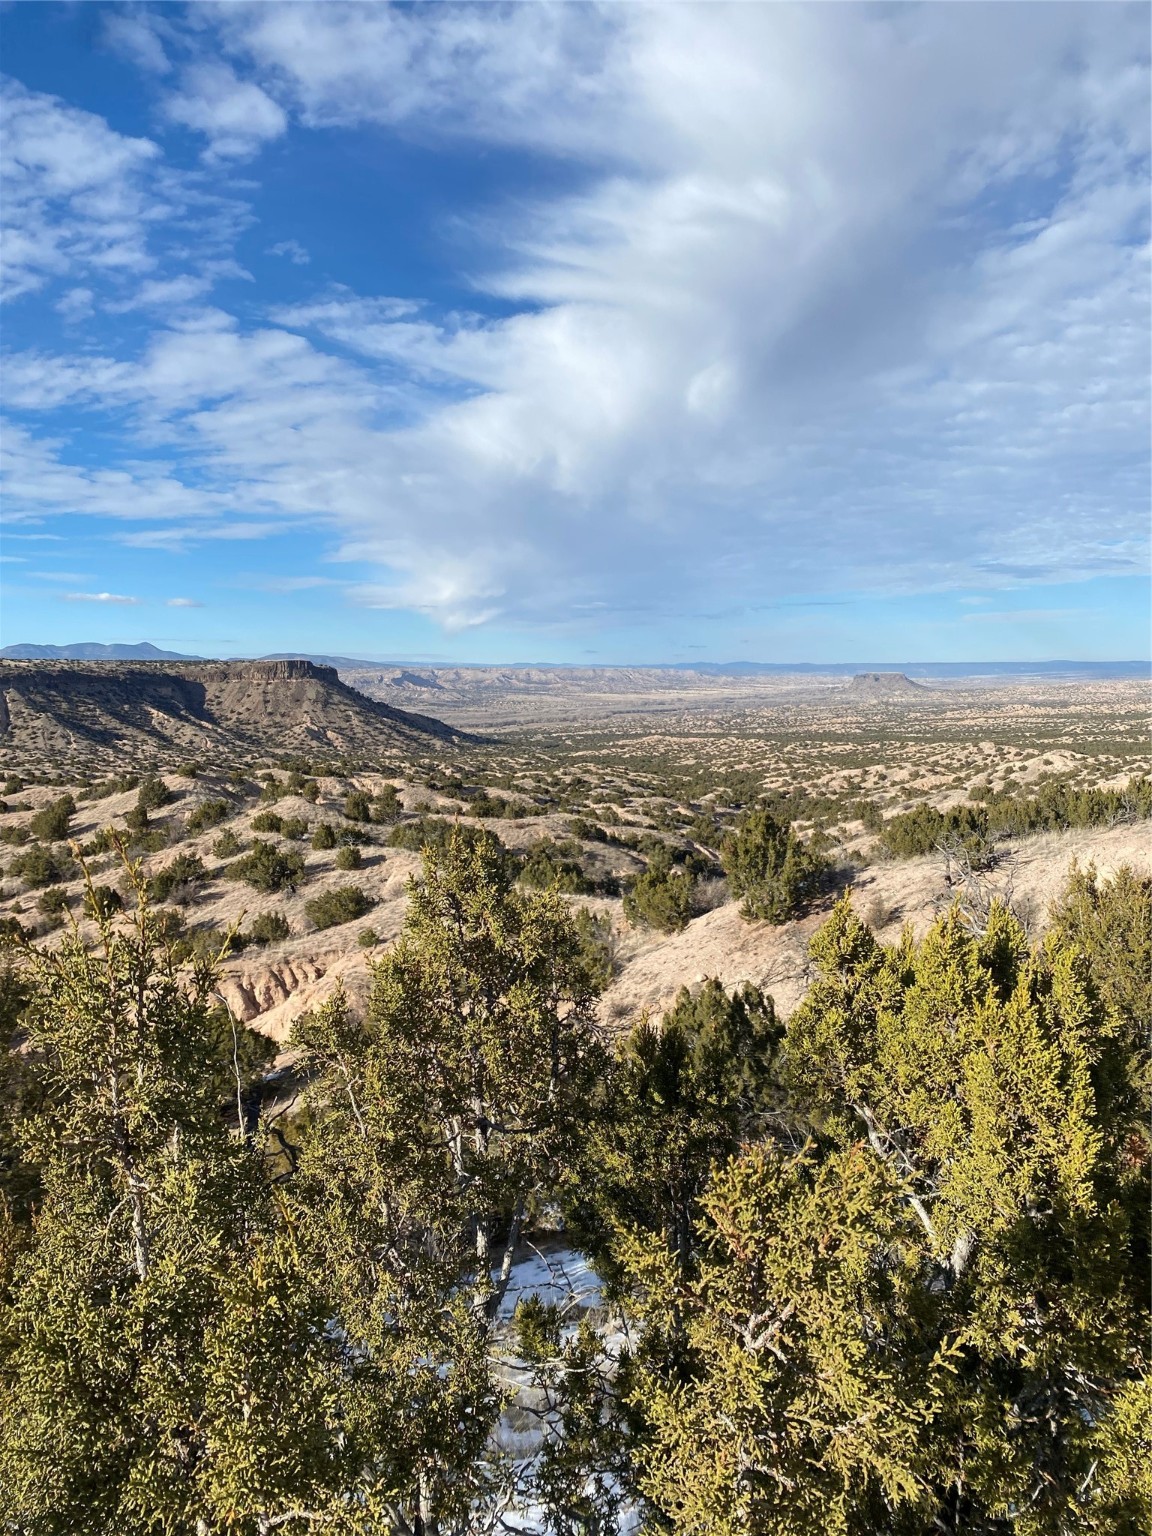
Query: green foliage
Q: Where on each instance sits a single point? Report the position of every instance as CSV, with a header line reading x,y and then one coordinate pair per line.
x,y
227,845
38,866
882,1270
925,829
209,813
707,830
119,784
682,1098
546,868
323,835
53,901
770,868
597,942
153,794
165,1365
386,804
145,838
435,833
587,830
358,806
869,813
51,823
1055,807
367,938
661,897
102,902
178,879
267,821
494,806
933,1310
267,928
349,857
294,828
269,868
439,1119
1110,924
341,904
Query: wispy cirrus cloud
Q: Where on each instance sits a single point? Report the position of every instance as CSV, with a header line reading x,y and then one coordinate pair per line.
x,y
293,250
845,298
99,597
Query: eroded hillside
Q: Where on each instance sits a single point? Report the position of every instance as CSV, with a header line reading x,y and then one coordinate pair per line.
x,y
108,714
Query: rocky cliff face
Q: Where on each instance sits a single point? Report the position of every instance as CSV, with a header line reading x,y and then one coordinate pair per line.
x,y
251,671
127,712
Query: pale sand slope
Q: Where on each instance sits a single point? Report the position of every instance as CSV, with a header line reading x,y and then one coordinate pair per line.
x,y
723,945
272,987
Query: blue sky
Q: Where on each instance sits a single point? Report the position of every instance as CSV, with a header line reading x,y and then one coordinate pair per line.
x,y
586,333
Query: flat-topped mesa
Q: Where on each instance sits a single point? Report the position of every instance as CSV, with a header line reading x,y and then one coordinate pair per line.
x,y
199,671
119,711
250,671
885,682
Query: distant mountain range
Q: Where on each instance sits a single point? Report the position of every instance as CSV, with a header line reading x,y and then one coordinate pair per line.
x,y
1085,669
92,651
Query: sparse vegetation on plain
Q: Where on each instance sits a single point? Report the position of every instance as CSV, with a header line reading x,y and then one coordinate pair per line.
x,y
536,1031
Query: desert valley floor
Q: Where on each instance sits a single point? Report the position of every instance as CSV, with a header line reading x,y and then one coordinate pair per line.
x,y
598,767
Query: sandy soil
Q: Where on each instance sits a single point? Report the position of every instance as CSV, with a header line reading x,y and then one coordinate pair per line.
x,y
723,945
272,987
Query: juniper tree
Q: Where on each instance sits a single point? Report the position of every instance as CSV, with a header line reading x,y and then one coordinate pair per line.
x,y
681,1099
164,1365
661,897
770,867
52,822
933,1316
439,1120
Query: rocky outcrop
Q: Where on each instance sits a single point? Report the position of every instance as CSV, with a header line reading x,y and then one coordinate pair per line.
x,y
254,990
226,712
272,996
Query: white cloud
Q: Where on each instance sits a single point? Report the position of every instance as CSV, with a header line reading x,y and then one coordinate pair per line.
x,y
76,304
134,37
847,298
176,538
37,479
183,602
99,597
75,192
293,250
541,74
235,115
164,293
